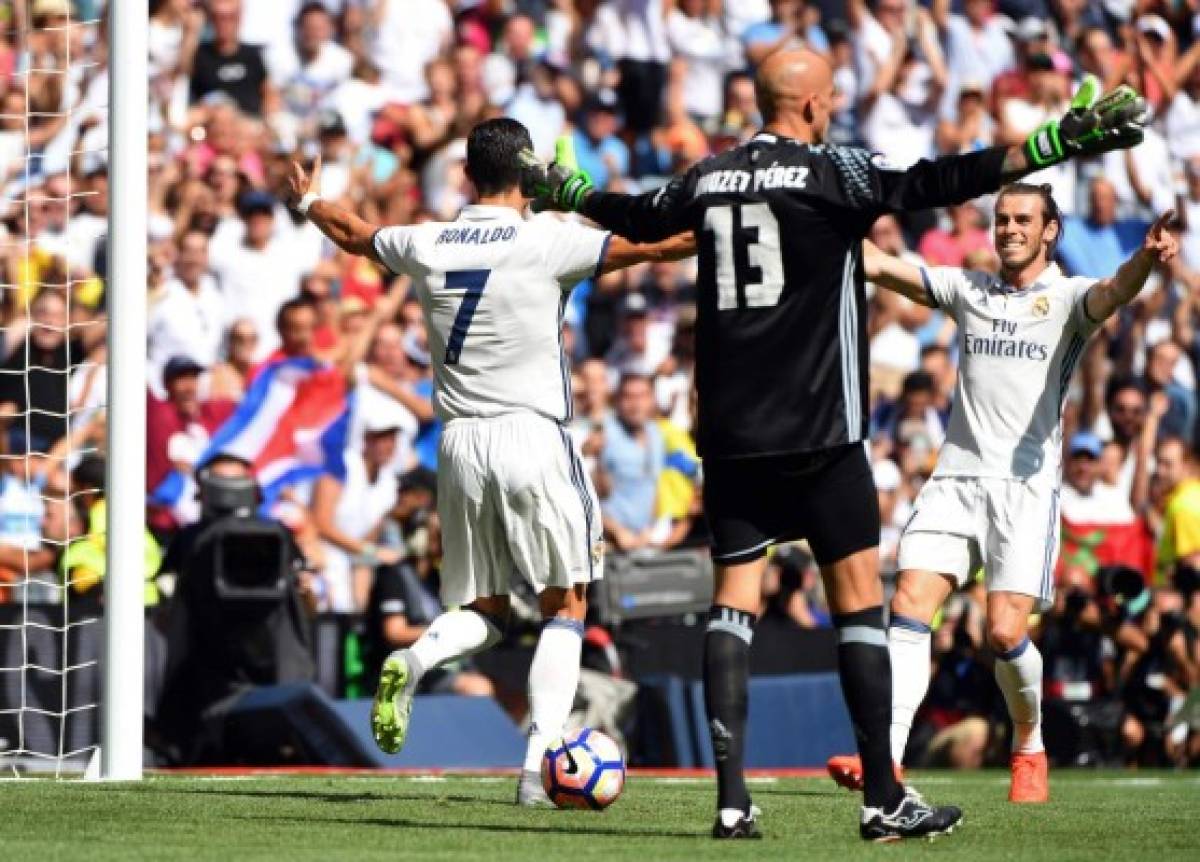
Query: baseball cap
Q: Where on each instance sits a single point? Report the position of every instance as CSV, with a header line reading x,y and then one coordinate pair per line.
x,y
384,415
605,100
886,474
1085,443
634,305
330,122
1154,25
180,366
1031,28
971,86
255,201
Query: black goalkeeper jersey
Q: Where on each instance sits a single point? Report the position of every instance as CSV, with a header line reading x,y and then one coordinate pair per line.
x,y
781,343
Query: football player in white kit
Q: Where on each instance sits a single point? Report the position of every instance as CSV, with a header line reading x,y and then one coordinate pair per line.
x,y
514,498
993,498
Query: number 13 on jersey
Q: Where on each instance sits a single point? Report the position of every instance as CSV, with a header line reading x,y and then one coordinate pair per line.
x,y
749,261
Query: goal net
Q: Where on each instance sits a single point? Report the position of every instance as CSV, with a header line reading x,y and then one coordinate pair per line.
x,y
58,271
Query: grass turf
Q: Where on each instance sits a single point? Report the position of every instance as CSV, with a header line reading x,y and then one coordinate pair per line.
x,y
1107,815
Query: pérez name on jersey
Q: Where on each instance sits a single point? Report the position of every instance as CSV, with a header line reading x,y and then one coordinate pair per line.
x,y
476,235
761,179
1001,342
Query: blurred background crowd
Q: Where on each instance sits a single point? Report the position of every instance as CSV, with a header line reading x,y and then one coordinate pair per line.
x,y
242,292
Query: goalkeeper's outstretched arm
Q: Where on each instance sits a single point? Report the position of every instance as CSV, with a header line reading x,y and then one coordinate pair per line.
x,y
1091,126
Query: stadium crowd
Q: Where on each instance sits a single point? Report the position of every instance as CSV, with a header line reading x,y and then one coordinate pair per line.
x,y
384,91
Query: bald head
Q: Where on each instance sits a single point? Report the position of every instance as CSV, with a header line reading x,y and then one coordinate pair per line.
x,y
795,87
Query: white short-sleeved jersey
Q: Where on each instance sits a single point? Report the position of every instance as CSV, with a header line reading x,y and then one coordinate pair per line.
x,y
1017,351
493,286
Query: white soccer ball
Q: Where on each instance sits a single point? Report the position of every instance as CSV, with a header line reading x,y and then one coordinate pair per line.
x,y
583,770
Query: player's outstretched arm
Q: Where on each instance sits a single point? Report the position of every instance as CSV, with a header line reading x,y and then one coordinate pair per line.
x,y
1107,295
344,229
648,217
895,274
622,253
1089,127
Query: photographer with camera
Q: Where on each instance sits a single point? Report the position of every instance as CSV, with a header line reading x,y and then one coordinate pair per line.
x,y
1156,680
238,618
1095,620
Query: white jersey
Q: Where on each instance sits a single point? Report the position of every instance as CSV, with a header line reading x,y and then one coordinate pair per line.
x,y
1017,351
493,287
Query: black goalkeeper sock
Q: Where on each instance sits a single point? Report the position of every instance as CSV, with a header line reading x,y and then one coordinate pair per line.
x,y
726,672
866,673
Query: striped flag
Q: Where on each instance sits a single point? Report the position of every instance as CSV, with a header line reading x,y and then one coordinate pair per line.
x,y
292,425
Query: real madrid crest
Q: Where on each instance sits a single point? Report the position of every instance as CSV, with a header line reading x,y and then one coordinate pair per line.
x,y
1041,307
598,551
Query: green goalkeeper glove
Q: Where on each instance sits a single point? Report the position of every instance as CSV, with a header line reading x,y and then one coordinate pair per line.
x,y
560,186
1090,127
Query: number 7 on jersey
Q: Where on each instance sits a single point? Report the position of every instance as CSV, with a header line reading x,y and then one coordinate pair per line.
x,y
473,282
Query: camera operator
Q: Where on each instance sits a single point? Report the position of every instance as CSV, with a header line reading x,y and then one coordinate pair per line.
x,y
1156,681
1183,734
237,618
1092,619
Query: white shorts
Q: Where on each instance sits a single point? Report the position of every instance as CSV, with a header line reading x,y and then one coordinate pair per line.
x,y
515,502
1008,526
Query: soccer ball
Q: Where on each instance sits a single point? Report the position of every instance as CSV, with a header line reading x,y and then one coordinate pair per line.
x,y
584,770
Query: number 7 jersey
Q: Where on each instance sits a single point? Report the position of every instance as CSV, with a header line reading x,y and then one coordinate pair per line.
x,y
493,287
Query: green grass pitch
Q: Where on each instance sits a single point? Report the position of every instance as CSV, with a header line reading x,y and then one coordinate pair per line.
x,y
1094,815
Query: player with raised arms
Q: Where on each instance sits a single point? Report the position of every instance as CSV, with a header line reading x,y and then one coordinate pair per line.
x,y
781,375
993,497
513,495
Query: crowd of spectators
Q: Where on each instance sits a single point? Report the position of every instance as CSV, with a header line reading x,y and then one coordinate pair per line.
x,y
385,92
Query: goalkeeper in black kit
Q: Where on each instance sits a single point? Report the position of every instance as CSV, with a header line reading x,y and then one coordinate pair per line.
x,y
781,375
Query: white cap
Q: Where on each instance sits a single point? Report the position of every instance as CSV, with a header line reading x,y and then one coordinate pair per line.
x,y
886,474
1155,24
384,414
1030,28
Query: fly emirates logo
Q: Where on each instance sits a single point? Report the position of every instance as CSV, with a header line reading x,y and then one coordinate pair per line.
x,y
762,179
1002,342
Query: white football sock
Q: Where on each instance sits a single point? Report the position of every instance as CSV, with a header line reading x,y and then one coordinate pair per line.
x,y
553,679
730,816
453,635
909,649
1019,675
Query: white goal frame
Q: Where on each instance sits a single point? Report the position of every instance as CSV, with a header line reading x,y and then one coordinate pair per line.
x,y
121,704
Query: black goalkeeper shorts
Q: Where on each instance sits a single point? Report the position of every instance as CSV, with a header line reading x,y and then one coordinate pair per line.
x,y
827,497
